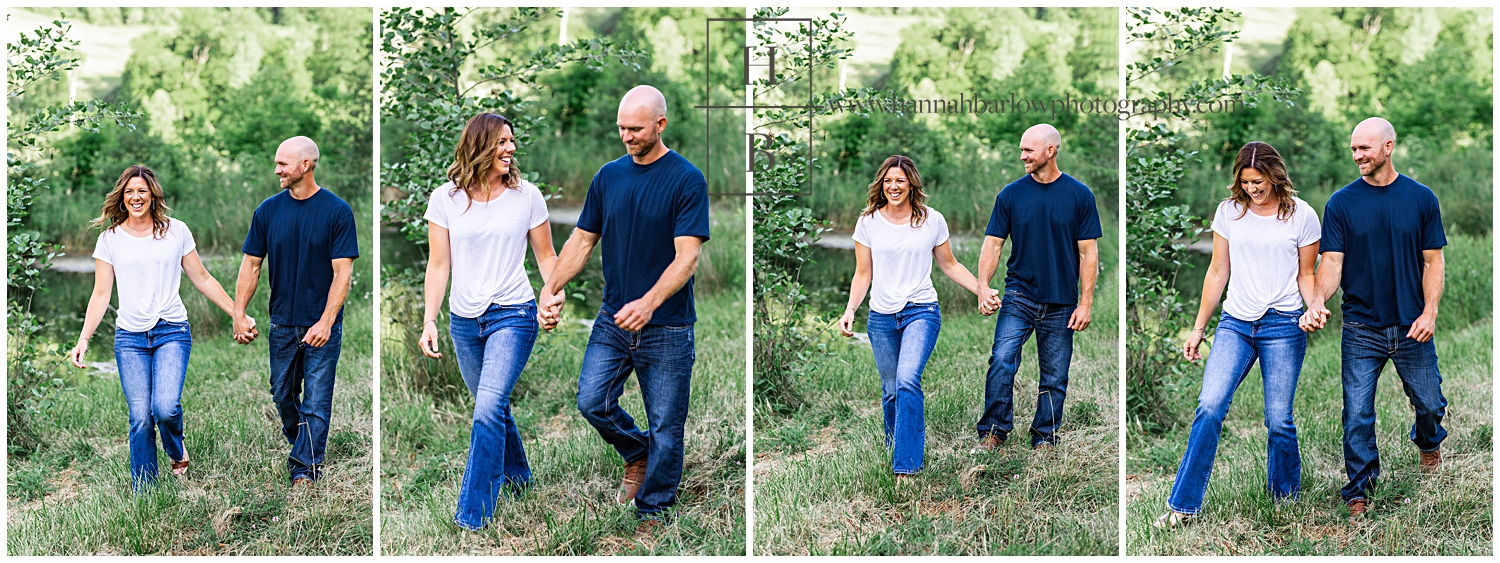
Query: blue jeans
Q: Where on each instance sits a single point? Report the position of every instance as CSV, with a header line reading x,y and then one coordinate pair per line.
x,y
1280,346
902,343
302,388
153,365
1018,317
662,358
491,351
1365,350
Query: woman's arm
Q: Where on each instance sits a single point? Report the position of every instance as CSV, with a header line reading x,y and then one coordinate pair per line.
x,y
955,271
433,287
1307,279
546,259
1213,289
192,265
104,283
857,288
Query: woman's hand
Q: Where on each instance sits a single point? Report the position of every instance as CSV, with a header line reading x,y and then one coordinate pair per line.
x,y
1190,347
428,341
846,323
76,355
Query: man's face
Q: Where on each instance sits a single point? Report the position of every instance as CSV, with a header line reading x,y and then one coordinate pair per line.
x,y
639,130
1370,152
289,167
1034,154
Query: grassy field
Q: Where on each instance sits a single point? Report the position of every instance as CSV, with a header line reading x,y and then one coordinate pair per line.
x,y
427,417
1449,513
73,496
823,478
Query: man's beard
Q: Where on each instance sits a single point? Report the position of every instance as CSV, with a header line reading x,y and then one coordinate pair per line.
x,y
643,149
1376,164
288,181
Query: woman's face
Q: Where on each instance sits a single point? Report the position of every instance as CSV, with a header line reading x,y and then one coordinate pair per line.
x,y
504,150
1257,185
137,198
895,186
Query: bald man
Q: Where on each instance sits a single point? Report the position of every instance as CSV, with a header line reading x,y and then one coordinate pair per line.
x,y
1383,245
305,237
650,210
1053,224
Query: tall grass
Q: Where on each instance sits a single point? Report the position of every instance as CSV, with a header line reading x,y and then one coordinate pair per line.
x,y
426,421
73,495
823,479
1412,514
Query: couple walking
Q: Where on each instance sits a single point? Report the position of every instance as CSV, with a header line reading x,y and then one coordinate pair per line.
x,y
1054,225
1381,242
649,212
304,236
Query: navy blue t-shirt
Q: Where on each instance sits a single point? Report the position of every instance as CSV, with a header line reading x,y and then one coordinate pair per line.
x,y
299,239
1382,231
637,210
1044,223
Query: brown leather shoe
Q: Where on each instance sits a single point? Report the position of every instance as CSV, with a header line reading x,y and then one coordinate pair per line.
x,y
1429,461
990,443
1358,507
650,527
302,482
635,473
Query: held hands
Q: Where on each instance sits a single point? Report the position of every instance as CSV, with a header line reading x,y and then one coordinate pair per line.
x,y
635,314
244,329
1314,319
846,323
549,309
989,301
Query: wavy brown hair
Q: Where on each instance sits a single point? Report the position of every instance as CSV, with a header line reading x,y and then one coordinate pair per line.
x,y
114,211
475,155
918,198
1264,159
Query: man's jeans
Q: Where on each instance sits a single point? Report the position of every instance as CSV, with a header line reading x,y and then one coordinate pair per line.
x,y
1365,351
302,388
662,359
902,342
491,351
153,365
1280,345
1018,317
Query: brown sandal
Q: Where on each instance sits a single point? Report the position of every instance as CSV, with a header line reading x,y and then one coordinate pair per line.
x,y
179,467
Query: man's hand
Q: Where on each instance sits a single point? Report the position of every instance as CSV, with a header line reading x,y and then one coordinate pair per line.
x,y
244,329
318,334
635,314
549,309
1313,320
989,301
1422,330
1082,316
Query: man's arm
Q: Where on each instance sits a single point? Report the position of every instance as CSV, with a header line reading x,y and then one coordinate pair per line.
x,y
989,260
244,289
1088,273
574,256
1432,292
1330,273
635,314
318,335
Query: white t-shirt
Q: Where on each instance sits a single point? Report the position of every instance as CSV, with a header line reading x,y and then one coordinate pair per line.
x,y
487,245
1263,258
901,259
148,272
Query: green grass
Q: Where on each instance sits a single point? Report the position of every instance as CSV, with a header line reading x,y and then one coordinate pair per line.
x,y
73,495
1449,513
570,509
823,479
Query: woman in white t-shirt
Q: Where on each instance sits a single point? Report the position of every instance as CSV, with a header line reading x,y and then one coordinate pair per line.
x,y
478,227
896,239
147,252
1265,247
